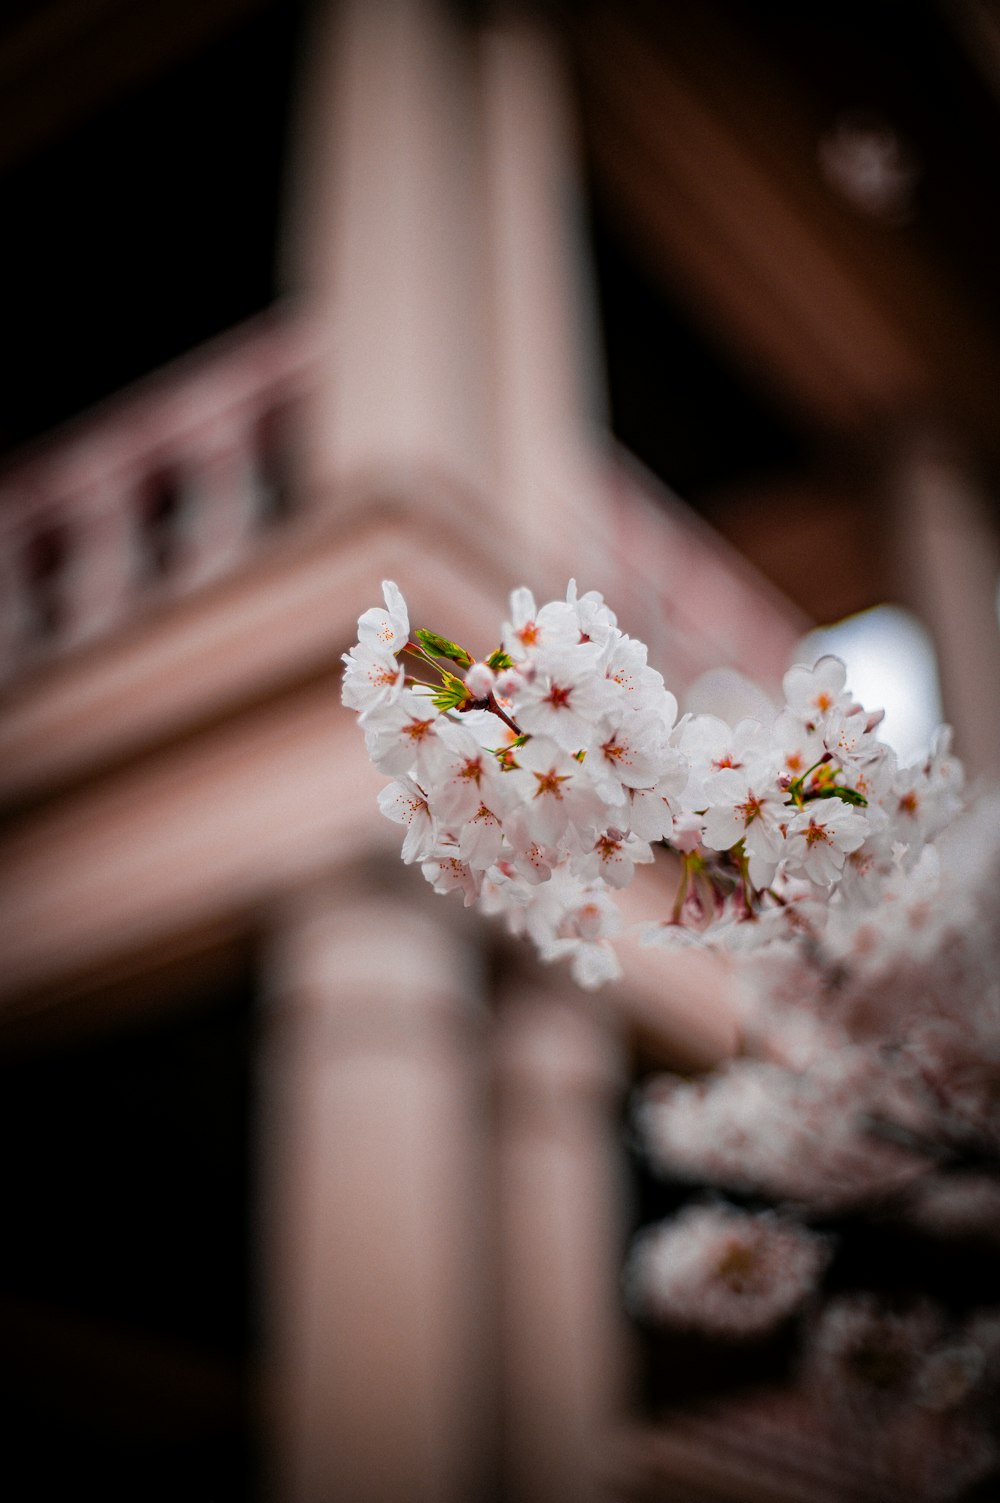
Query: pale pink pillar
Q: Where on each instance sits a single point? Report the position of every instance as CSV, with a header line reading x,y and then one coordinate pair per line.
x,y
388,249
548,389
561,1223
948,557
374,1166
436,240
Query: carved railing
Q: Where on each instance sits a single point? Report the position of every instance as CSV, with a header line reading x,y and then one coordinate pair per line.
x,y
163,489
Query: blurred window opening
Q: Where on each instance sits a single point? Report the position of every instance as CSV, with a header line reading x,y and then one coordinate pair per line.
x,y
274,453
161,523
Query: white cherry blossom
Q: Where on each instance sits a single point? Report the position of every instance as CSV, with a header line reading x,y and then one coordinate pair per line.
x,y
586,616
754,812
711,745
447,873
386,630
650,811
404,803
631,754
820,838
848,735
566,697
639,686
371,678
614,858
481,841
461,775
812,693
557,796
399,736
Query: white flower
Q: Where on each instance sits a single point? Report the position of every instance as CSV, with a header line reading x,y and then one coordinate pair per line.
x,y
461,775
371,678
632,754
813,692
791,1134
639,686
711,745
755,814
614,858
566,697
592,962
529,629
862,1349
399,736
650,811
556,796
386,630
820,836
482,839
848,736
531,858
404,803
927,796
796,748
594,618
588,918
449,873
579,618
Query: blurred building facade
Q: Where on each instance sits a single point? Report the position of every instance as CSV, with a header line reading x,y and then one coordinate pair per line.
x,y
318,1188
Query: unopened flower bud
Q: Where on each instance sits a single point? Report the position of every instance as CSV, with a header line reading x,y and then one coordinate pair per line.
x,y
479,680
508,683
686,835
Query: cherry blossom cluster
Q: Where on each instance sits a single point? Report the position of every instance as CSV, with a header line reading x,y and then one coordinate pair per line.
x,y
536,779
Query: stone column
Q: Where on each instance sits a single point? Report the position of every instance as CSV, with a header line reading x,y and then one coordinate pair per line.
x,y
548,387
436,241
561,1224
373,1204
387,249
948,562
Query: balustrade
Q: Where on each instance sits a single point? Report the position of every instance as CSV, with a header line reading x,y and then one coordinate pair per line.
x,y
166,489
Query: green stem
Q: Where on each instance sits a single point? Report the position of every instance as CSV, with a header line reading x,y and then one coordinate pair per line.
x,y
682,887
416,651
